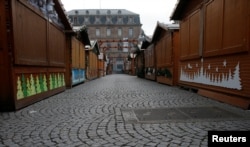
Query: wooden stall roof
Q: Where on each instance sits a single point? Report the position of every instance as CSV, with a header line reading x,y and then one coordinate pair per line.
x,y
178,10
184,7
95,47
62,14
83,35
146,42
163,27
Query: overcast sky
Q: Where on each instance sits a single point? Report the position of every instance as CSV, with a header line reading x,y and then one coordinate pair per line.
x,y
150,11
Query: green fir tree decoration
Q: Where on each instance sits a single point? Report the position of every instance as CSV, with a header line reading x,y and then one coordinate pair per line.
x,y
24,86
59,80
45,83
32,85
28,87
53,81
41,82
19,94
56,83
50,82
63,80
38,88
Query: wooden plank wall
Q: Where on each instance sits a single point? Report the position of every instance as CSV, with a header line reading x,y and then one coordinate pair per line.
x,y
82,56
56,47
75,53
214,47
38,50
149,54
37,41
164,56
139,61
30,36
101,69
75,61
5,73
92,72
176,56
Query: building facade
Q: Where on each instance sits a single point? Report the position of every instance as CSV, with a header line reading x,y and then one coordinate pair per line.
x,y
117,32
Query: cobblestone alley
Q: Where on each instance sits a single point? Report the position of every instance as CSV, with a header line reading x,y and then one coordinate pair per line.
x,y
112,111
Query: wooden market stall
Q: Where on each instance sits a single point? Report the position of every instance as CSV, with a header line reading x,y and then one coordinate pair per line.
x,y
101,65
166,46
32,51
92,60
149,59
139,63
76,63
214,48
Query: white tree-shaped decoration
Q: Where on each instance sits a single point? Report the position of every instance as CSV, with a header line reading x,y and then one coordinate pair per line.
x,y
38,87
19,94
32,85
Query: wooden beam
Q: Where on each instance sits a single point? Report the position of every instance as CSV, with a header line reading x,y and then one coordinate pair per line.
x,y
230,99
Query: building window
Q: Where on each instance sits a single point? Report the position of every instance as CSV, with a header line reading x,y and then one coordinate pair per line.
x,y
120,20
119,32
119,66
120,46
119,59
108,46
109,20
131,20
108,32
108,12
119,12
75,20
97,32
86,20
97,20
130,32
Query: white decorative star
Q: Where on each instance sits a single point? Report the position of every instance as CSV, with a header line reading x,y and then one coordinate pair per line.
x,y
225,63
217,69
189,66
209,67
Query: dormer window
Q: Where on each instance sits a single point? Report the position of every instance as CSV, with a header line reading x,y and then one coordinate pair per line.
x,y
97,12
119,12
87,12
108,12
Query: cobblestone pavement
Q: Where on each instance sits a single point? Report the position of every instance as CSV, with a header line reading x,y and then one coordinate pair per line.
x,y
90,115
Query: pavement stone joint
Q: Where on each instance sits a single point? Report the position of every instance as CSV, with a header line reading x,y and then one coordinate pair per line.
x,y
90,114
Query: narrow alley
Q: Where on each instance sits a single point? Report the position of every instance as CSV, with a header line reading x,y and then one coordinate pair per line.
x,y
120,110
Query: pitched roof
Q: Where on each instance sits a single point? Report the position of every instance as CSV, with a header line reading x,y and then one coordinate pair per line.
x,y
62,14
100,12
184,7
104,17
146,42
95,47
163,27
